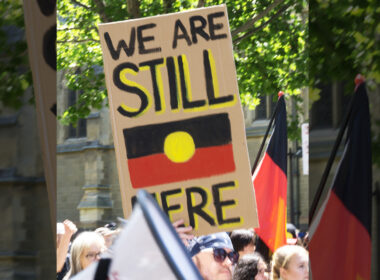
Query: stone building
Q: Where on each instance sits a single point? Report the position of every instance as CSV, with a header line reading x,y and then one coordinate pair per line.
x,y
26,239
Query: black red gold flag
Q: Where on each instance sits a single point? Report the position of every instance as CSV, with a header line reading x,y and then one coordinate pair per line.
x,y
270,183
340,246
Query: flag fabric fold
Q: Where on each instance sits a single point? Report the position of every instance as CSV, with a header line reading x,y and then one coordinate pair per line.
x,y
340,246
270,183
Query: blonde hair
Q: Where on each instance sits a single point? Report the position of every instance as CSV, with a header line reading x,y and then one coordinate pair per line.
x,y
83,241
282,256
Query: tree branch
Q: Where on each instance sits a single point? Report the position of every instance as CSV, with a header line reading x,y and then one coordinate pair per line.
x,y
252,21
101,10
77,41
249,33
168,5
80,4
75,28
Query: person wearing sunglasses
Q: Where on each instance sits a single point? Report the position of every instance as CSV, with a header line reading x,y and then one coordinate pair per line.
x,y
214,256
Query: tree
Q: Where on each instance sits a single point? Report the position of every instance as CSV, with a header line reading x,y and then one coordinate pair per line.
x,y
268,36
15,75
344,41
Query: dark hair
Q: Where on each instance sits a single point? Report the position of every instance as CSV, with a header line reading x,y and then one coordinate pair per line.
x,y
111,226
241,238
247,267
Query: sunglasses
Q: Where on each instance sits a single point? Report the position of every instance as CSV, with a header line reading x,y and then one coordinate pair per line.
x,y
221,254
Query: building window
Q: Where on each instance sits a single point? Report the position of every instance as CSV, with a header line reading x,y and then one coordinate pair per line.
x,y
265,109
80,130
329,110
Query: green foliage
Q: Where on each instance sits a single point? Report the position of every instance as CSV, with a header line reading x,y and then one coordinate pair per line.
x,y
15,75
273,58
270,55
294,122
344,41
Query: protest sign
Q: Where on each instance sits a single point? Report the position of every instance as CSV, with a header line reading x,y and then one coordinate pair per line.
x,y
40,26
176,117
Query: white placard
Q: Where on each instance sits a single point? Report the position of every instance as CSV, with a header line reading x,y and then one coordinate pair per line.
x,y
305,148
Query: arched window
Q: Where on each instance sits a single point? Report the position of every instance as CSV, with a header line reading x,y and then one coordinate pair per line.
x,y
80,129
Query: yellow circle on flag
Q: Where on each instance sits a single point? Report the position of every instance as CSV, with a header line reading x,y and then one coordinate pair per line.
x,y
179,146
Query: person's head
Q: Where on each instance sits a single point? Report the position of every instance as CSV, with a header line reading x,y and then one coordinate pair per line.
x,y
290,262
243,241
291,234
292,230
251,267
214,256
85,249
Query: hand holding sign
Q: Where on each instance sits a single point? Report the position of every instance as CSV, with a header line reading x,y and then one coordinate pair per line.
x,y
183,232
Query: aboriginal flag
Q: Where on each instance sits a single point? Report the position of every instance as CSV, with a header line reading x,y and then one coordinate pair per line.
x,y
270,183
181,150
340,246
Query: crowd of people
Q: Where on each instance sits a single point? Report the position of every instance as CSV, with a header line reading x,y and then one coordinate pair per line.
x,y
225,256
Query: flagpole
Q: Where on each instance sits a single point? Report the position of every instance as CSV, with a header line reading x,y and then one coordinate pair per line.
x,y
280,93
358,80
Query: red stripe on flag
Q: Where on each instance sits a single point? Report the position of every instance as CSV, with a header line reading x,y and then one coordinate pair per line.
x,y
158,169
270,185
340,248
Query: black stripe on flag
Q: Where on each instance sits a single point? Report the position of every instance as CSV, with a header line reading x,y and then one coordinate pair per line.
x,y
210,130
278,143
353,181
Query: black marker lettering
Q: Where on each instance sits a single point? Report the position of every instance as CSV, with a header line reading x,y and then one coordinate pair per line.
x,y
197,209
129,50
215,26
141,39
187,104
178,25
209,83
165,207
198,29
132,89
152,64
220,204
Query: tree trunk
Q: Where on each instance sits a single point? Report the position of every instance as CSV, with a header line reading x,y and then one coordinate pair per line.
x,y
101,10
133,8
201,3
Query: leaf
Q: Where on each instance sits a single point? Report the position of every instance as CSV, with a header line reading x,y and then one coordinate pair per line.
x,y
359,37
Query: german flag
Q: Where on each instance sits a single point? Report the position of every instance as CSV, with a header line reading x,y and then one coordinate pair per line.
x,y
181,150
270,183
340,246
